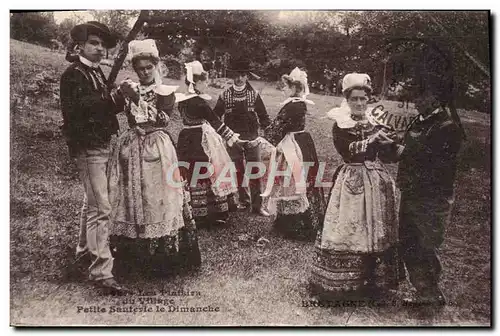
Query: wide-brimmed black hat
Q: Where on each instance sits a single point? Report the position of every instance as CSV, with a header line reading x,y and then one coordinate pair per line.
x,y
81,32
239,65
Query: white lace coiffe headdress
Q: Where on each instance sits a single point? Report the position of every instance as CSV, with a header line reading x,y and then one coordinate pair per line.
x,y
298,75
193,68
342,114
356,80
143,47
146,47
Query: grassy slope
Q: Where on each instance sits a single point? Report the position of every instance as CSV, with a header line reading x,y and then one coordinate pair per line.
x,y
252,285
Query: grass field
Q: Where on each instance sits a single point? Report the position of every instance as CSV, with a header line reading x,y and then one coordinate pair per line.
x,y
252,285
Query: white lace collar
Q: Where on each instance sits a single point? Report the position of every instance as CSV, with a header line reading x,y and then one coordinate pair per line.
x,y
342,115
436,111
146,88
162,89
179,96
296,99
239,88
88,63
165,90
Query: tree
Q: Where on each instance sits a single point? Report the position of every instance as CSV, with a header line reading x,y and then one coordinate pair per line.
x,y
314,39
325,42
463,34
118,21
34,27
238,32
64,29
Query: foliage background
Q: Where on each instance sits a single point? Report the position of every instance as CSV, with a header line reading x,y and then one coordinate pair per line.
x,y
328,44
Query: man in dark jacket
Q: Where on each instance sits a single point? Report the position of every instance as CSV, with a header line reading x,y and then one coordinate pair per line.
x,y
89,113
243,111
427,170
426,176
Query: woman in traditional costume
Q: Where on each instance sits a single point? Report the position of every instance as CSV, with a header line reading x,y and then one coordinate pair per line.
x,y
295,199
152,223
208,168
356,247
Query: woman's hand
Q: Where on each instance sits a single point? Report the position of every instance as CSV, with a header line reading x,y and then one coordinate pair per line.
x,y
129,89
380,138
241,143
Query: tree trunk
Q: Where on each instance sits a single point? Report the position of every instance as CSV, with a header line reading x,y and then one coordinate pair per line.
x,y
122,53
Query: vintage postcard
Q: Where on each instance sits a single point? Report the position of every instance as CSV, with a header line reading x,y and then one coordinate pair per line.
x,y
250,168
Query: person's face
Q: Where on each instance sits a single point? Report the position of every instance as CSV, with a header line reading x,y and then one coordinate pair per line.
x,y
93,49
288,90
240,78
425,102
201,85
145,70
358,101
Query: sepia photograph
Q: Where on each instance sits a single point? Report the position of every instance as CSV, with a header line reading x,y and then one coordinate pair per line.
x,y
235,168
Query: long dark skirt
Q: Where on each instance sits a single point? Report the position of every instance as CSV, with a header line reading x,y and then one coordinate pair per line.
x,y
162,256
208,209
304,226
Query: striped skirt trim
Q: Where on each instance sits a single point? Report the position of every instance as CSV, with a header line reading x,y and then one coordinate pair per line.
x,y
204,202
340,272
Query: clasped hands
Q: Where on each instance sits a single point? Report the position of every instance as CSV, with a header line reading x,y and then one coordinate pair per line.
x,y
382,137
129,89
241,144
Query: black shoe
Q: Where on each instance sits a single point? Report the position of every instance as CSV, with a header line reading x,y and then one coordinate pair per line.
x,y
111,287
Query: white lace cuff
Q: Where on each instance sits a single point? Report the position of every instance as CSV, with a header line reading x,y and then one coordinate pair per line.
x,y
358,147
400,149
232,140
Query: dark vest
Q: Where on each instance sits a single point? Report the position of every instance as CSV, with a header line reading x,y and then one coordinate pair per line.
x,y
91,121
232,97
239,111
